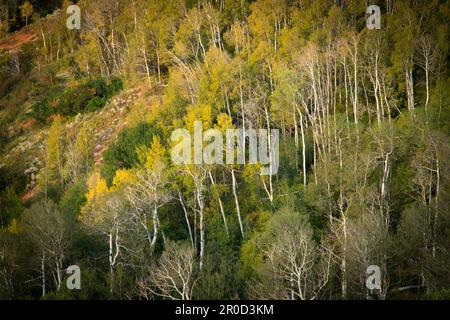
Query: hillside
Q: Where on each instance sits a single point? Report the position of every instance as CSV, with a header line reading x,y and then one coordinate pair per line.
x,y
348,172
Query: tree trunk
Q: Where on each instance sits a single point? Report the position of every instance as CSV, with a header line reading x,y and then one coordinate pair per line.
x,y
43,274
409,88
224,218
236,201
180,196
344,260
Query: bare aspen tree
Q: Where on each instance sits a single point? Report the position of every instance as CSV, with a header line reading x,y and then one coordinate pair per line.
x,y
107,212
48,230
426,58
199,176
147,189
295,267
219,200
172,277
186,217
236,200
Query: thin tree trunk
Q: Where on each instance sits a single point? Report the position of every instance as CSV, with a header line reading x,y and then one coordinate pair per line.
x,y
224,218
344,260
180,196
409,88
199,196
111,269
155,227
236,201
302,130
43,273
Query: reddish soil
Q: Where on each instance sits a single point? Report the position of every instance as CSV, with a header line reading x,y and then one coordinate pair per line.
x,y
29,195
16,40
27,124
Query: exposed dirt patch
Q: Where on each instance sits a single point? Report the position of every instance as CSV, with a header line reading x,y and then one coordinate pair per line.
x,y
28,123
16,40
30,195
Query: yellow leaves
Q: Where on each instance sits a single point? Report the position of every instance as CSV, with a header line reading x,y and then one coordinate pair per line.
x,y
236,36
97,187
54,136
153,114
198,113
264,17
101,200
93,212
181,49
217,79
122,178
157,152
153,158
216,59
14,227
26,10
251,172
224,122
83,141
178,89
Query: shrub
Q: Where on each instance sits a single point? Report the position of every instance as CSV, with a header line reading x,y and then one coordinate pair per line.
x,y
122,154
86,97
73,199
13,177
41,110
10,207
95,104
115,86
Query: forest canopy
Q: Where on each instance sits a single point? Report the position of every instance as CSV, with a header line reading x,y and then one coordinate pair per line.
x,y
87,178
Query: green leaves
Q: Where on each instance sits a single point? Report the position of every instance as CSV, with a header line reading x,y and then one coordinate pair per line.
x,y
88,96
122,154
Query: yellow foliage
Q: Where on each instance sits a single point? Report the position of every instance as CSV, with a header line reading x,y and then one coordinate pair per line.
x,y
157,151
14,227
198,113
153,157
224,122
97,187
122,178
54,149
26,11
93,212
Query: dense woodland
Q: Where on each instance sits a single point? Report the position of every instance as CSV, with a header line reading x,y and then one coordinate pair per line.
x,y
364,171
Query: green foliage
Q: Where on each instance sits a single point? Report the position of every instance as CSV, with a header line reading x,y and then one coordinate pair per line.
x,y
221,279
93,287
73,199
12,177
95,103
122,154
10,207
114,86
364,176
443,294
88,96
41,110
